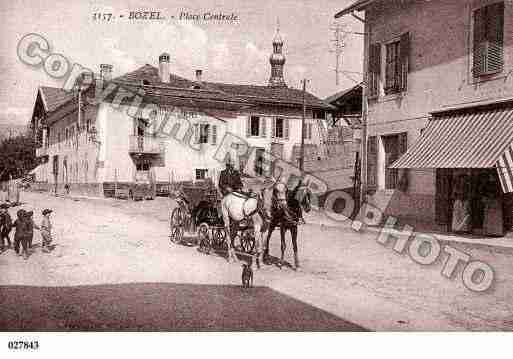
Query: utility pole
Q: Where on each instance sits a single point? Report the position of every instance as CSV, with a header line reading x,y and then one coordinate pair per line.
x,y
302,149
338,46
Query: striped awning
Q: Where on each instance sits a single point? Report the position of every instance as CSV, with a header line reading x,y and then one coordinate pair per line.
x,y
477,138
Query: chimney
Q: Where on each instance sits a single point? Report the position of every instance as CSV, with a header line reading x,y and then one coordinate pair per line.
x,y
164,67
198,75
106,72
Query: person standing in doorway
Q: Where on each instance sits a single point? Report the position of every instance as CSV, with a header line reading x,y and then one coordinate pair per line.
x,y
461,213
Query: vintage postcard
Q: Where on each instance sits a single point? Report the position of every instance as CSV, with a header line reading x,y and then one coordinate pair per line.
x,y
271,166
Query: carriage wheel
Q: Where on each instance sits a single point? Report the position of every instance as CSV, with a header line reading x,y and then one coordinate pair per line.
x,y
204,238
247,241
219,237
177,224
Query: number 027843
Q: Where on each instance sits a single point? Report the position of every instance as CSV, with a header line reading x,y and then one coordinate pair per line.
x,y
23,345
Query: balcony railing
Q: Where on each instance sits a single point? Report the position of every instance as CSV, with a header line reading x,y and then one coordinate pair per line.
x,y
145,145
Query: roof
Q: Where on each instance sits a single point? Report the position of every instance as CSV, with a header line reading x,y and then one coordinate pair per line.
x,y
270,94
180,91
54,97
356,6
341,94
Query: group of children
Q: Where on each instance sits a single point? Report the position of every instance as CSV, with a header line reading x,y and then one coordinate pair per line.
x,y
24,230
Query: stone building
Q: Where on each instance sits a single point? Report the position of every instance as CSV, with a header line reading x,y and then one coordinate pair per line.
x,y
439,89
152,126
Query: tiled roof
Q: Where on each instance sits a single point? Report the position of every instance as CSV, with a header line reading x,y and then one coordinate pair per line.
x,y
151,74
182,92
245,93
54,97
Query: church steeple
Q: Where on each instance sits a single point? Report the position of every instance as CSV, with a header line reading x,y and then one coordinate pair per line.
x,y
277,60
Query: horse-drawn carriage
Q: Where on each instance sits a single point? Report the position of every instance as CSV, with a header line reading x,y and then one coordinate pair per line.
x,y
197,214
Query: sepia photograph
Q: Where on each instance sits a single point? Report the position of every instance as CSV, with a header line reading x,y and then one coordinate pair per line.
x,y
225,167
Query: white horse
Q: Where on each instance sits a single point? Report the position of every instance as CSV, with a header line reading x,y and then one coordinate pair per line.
x,y
237,207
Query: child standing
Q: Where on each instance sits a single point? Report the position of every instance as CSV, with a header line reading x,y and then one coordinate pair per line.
x,y
5,226
20,235
30,228
46,230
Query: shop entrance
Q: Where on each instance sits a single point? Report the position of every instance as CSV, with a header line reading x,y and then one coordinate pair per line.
x,y
470,201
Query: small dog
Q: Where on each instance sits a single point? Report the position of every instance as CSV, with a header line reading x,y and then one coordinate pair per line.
x,y
247,276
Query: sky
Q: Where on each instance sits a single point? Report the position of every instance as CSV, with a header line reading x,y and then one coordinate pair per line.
x,y
231,52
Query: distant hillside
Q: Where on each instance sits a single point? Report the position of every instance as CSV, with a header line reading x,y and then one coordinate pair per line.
x,y
6,129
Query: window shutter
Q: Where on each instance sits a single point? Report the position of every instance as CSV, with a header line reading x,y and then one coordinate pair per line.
x,y
495,37
263,124
273,127
207,133
374,69
372,161
479,44
248,127
404,54
196,133
214,134
403,142
286,128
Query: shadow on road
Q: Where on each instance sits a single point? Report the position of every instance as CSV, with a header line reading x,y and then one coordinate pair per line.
x,y
160,307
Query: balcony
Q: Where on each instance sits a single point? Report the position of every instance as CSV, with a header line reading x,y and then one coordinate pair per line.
x,y
145,145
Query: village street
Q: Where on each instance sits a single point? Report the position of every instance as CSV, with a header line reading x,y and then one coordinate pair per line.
x,y
114,268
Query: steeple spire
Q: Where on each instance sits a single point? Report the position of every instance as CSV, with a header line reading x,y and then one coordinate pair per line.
x,y
277,60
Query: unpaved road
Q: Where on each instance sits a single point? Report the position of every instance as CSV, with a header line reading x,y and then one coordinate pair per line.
x,y
115,269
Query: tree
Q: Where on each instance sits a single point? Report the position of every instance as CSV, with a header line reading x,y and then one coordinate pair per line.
x,y
17,156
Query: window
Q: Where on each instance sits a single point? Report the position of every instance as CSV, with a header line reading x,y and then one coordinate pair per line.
x,y
395,146
397,65
488,41
142,166
201,173
254,126
66,136
279,128
203,133
392,68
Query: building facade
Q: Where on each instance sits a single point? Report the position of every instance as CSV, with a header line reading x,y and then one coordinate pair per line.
x,y
156,127
445,63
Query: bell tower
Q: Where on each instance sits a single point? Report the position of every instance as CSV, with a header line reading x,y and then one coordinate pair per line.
x,y
277,61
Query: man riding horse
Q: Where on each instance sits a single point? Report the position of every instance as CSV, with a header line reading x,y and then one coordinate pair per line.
x,y
237,207
229,179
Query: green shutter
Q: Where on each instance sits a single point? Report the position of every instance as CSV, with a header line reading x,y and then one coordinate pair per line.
x,y
273,127
286,128
214,134
495,37
479,43
263,124
404,55
248,126
403,142
374,72
372,161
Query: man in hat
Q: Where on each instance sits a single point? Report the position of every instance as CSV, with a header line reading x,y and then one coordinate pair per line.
x,y
5,226
229,179
46,230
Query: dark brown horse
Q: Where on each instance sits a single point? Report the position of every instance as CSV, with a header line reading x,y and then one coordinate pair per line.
x,y
286,212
